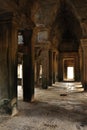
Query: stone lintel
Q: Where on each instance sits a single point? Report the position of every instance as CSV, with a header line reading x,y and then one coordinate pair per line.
x,y
6,16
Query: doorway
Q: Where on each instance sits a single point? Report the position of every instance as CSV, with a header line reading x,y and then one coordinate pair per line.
x,y
69,69
70,73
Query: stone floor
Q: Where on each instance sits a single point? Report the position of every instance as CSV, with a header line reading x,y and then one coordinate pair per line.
x,y
61,107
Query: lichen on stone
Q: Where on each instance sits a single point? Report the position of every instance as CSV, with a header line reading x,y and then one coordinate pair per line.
x,y
5,106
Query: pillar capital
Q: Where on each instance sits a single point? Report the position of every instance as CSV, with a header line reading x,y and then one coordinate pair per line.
x,y
84,42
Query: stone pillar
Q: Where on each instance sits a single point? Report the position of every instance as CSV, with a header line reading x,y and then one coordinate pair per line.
x,y
35,74
8,64
12,67
38,74
80,61
28,68
54,67
56,71
50,68
45,70
77,68
41,40
27,78
60,68
84,63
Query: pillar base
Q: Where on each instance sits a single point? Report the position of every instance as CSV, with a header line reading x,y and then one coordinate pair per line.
x,y
14,111
85,86
5,106
44,83
14,107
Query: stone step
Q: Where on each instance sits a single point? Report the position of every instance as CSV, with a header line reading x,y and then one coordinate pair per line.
x,y
69,86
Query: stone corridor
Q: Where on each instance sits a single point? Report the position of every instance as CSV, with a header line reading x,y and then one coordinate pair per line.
x,y
61,107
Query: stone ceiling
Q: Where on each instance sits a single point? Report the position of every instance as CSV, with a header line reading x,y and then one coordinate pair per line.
x,y
43,9
62,17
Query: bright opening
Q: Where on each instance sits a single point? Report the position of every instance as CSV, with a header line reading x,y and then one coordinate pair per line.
x,y
70,73
20,38
40,71
20,87
19,71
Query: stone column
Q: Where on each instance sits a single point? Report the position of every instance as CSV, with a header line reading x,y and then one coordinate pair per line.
x,y
8,64
45,69
41,40
38,74
60,68
80,61
50,68
77,67
28,68
27,78
35,73
12,66
54,67
56,71
84,63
